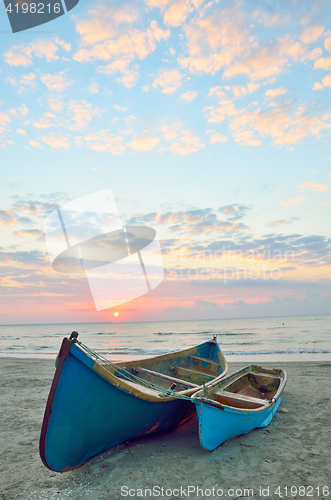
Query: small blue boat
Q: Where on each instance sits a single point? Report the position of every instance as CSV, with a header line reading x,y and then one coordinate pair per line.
x,y
241,402
94,404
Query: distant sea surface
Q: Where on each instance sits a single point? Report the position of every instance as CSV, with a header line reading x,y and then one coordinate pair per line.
x,y
296,338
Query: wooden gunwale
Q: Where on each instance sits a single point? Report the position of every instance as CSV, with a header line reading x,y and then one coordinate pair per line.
x,y
172,355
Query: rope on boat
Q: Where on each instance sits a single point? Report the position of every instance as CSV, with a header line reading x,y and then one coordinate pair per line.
x,y
130,376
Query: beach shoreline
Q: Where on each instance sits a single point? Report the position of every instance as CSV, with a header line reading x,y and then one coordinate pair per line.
x,y
242,360
291,452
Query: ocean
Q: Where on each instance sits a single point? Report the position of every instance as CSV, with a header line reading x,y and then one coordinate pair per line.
x,y
295,338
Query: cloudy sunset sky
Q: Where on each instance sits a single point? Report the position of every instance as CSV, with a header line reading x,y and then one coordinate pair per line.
x,y
209,120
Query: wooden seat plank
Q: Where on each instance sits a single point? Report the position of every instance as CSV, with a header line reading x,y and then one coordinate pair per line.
x,y
240,397
209,361
190,371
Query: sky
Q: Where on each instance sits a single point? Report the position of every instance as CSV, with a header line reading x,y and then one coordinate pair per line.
x,y
210,121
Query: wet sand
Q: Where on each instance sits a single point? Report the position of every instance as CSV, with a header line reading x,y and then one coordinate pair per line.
x,y
293,451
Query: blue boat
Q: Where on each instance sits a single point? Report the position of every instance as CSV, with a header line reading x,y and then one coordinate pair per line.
x,y
94,404
241,402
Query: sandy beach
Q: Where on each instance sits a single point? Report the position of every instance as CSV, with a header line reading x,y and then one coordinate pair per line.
x,y
293,451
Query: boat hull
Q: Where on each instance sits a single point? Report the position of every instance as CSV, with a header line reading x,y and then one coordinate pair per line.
x,y
239,403
217,425
90,410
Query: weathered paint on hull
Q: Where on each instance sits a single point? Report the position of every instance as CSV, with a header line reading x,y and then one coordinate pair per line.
x,y
87,415
217,425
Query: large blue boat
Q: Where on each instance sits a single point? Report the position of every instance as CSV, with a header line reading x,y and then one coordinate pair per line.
x,y
94,404
241,402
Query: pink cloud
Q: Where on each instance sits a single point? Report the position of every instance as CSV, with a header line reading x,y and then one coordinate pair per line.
x,y
169,80
185,145
28,233
143,143
8,217
57,82
319,188
108,35
56,141
312,33
292,203
177,13
105,141
23,55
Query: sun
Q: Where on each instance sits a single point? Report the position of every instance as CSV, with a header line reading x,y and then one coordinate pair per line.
x,y
116,314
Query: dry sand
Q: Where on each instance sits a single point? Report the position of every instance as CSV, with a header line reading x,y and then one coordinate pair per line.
x,y
294,450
